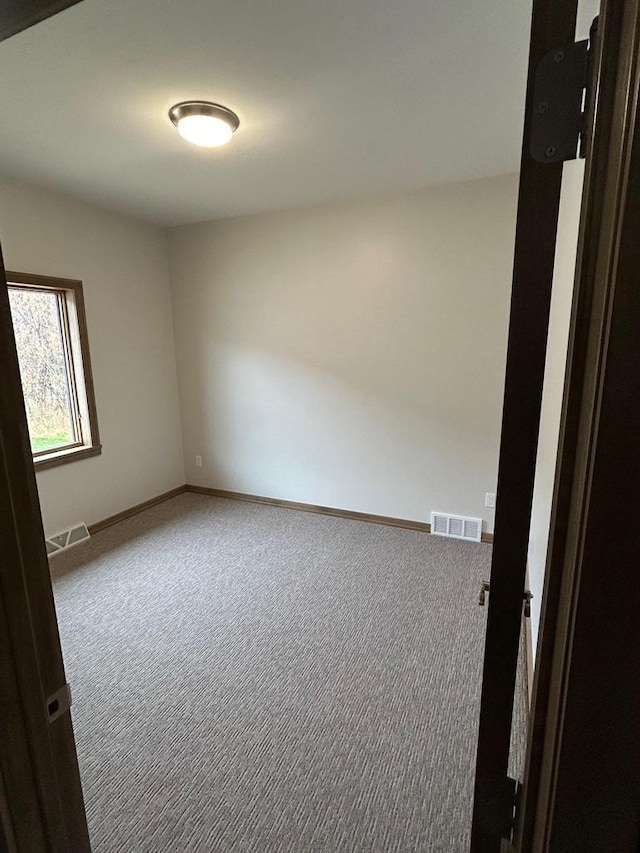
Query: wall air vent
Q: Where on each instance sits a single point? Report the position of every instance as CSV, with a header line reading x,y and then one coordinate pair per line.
x,y
66,539
456,526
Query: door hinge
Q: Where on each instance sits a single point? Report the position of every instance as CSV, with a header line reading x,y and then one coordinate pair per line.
x,y
527,595
562,110
58,703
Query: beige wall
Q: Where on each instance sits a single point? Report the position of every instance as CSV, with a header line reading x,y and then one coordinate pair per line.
x,y
566,245
123,266
349,355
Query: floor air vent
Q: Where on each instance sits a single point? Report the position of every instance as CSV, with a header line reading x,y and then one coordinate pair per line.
x,y
64,540
456,526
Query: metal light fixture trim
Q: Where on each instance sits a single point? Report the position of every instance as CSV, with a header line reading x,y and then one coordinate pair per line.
x,y
204,109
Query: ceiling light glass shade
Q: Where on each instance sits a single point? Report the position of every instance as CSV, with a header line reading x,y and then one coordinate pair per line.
x,y
205,130
204,123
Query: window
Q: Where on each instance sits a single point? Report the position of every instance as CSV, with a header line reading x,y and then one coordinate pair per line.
x,y
51,338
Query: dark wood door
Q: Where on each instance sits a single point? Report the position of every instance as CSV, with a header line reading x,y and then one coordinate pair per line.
x,y
582,786
41,803
582,779
553,25
18,15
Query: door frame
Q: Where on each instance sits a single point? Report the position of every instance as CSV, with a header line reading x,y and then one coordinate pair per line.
x,y
580,698
582,784
41,802
553,26
18,15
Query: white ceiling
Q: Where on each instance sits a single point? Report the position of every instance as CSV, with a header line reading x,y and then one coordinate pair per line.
x,y
336,98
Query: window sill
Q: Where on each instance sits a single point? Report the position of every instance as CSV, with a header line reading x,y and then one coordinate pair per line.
x,y
63,457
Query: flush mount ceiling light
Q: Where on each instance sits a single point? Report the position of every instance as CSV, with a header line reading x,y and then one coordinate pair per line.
x,y
204,123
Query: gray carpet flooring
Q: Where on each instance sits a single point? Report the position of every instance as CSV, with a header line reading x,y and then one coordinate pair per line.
x,y
249,678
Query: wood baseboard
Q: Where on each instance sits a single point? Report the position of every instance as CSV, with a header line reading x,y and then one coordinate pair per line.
x,y
134,510
388,520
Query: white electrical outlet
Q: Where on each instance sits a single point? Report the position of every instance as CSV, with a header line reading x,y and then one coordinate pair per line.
x,y
490,499
198,461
